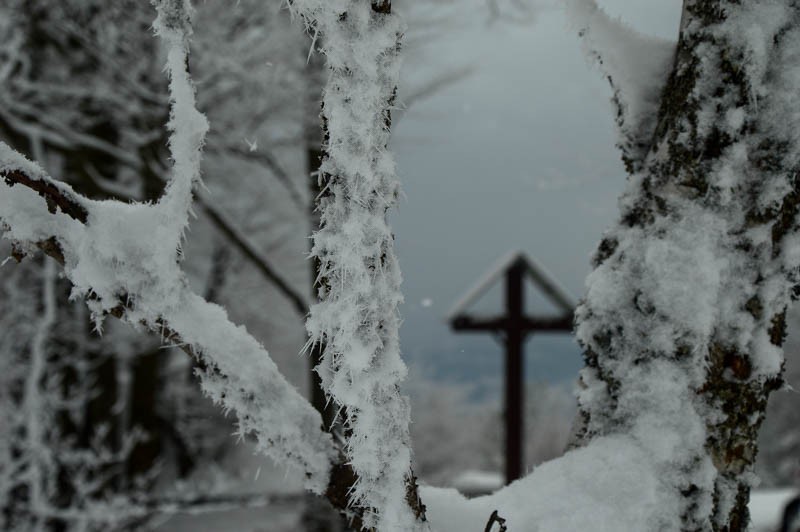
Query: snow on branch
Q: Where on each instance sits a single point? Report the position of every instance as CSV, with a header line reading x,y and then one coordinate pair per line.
x,y
107,260
636,66
116,260
123,259
356,322
187,125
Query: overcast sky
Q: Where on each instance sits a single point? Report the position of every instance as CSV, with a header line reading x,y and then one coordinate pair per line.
x,y
520,155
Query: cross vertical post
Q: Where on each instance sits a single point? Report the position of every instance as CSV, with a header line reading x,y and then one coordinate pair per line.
x,y
514,326
515,392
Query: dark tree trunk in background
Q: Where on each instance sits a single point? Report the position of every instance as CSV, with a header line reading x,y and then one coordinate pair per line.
x,y
106,405
145,390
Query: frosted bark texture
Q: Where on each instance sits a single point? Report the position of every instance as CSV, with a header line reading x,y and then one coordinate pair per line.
x,y
356,320
684,315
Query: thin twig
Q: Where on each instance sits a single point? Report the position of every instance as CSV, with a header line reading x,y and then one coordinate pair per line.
x,y
494,518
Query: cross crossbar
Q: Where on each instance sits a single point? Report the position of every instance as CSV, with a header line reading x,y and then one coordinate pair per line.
x,y
516,326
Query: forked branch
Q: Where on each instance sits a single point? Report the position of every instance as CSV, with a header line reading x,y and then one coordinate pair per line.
x,y
236,370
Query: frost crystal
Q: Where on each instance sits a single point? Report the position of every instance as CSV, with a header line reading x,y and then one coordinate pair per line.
x,y
123,258
683,317
356,321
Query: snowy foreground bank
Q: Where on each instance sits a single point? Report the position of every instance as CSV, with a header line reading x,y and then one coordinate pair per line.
x,y
610,486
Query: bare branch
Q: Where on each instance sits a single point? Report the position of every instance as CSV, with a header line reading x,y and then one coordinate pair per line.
x,y
264,157
433,87
55,198
495,518
235,238
241,243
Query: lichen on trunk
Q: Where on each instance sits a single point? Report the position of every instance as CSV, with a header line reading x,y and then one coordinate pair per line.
x,y
685,312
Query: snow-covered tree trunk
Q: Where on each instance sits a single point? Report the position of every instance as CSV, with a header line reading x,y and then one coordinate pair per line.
x,y
356,321
684,318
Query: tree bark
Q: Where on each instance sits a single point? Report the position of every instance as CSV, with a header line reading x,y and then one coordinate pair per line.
x,y
356,322
685,314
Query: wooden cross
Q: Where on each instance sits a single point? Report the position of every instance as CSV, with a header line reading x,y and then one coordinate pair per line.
x,y
515,326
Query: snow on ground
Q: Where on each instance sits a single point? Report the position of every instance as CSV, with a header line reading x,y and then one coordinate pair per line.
x,y
243,472
766,508
608,486
475,482
272,518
